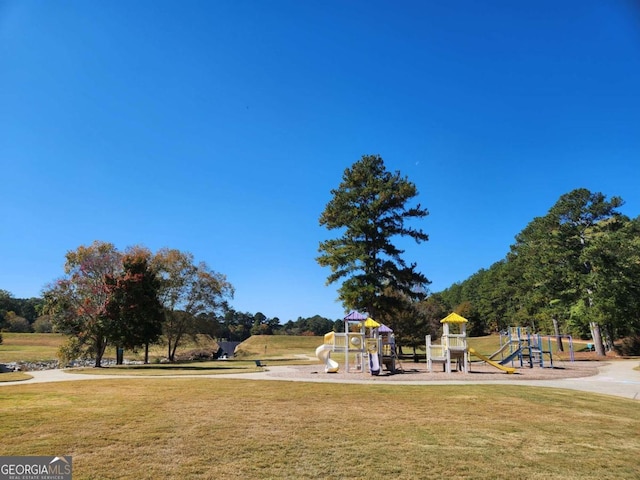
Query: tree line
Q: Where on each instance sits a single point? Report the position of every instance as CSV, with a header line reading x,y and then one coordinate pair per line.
x,y
575,270
24,315
132,299
21,314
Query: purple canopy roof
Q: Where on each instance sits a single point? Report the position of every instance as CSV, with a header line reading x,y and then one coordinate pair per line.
x,y
356,316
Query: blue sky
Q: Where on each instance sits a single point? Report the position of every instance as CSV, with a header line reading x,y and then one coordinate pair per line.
x,y
220,127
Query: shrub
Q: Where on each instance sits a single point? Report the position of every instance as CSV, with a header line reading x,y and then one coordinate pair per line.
x,y
202,354
43,325
629,346
19,324
69,351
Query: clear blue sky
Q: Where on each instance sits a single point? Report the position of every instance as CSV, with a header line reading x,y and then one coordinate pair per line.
x,y
220,127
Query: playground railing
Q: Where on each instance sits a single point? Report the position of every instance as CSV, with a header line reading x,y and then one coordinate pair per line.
x,y
437,351
457,342
340,341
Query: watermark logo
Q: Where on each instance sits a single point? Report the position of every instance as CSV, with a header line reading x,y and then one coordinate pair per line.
x,y
35,468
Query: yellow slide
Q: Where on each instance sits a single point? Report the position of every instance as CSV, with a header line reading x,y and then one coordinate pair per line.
x,y
491,362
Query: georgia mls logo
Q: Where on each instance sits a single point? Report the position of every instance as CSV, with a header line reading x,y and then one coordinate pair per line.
x,y
35,468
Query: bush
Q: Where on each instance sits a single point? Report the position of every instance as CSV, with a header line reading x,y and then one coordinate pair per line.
x,y
43,325
69,351
198,355
19,325
629,346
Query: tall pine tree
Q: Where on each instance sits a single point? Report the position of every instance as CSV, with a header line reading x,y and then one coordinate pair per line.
x,y
371,208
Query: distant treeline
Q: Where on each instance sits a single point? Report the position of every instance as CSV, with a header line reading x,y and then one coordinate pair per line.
x,y
24,315
19,314
240,326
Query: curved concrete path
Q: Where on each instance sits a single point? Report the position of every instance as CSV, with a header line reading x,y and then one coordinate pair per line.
x,y
617,378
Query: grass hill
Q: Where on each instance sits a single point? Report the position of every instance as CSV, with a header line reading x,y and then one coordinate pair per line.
x,y
278,346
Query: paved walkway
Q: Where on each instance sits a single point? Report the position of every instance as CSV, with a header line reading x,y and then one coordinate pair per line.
x,y
617,378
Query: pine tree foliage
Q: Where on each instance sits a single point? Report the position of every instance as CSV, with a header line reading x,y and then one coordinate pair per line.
x,y
371,208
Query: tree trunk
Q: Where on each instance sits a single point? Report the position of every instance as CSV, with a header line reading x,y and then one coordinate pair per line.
x,y
608,337
146,353
558,337
100,346
172,358
597,338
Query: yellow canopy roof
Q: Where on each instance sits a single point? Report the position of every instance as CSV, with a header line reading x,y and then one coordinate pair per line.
x,y
371,323
454,318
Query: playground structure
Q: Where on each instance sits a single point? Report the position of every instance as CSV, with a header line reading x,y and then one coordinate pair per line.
x,y
365,343
529,347
368,346
453,344
518,344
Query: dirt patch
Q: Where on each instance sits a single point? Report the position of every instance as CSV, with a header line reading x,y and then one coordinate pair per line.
x,y
418,372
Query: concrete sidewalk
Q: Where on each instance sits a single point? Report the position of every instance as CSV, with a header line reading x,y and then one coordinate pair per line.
x,y
617,378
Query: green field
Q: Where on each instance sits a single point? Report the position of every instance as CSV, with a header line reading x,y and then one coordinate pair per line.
x,y
29,347
279,346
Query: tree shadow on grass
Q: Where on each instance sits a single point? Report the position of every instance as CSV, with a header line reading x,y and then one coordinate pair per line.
x,y
164,368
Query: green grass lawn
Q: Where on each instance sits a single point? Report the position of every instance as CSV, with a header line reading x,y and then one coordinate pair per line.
x,y
29,347
228,429
279,346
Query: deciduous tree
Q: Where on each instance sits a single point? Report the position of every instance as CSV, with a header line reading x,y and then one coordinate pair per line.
x,y
133,307
186,291
77,302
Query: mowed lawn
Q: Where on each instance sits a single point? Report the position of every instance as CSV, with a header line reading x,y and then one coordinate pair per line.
x,y
29,347
243,429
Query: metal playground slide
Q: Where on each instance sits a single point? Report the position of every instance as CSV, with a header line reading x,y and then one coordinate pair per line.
x,y
491,362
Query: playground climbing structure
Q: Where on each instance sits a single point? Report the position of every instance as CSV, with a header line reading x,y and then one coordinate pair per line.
x,y
525,347
366,345
452,346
